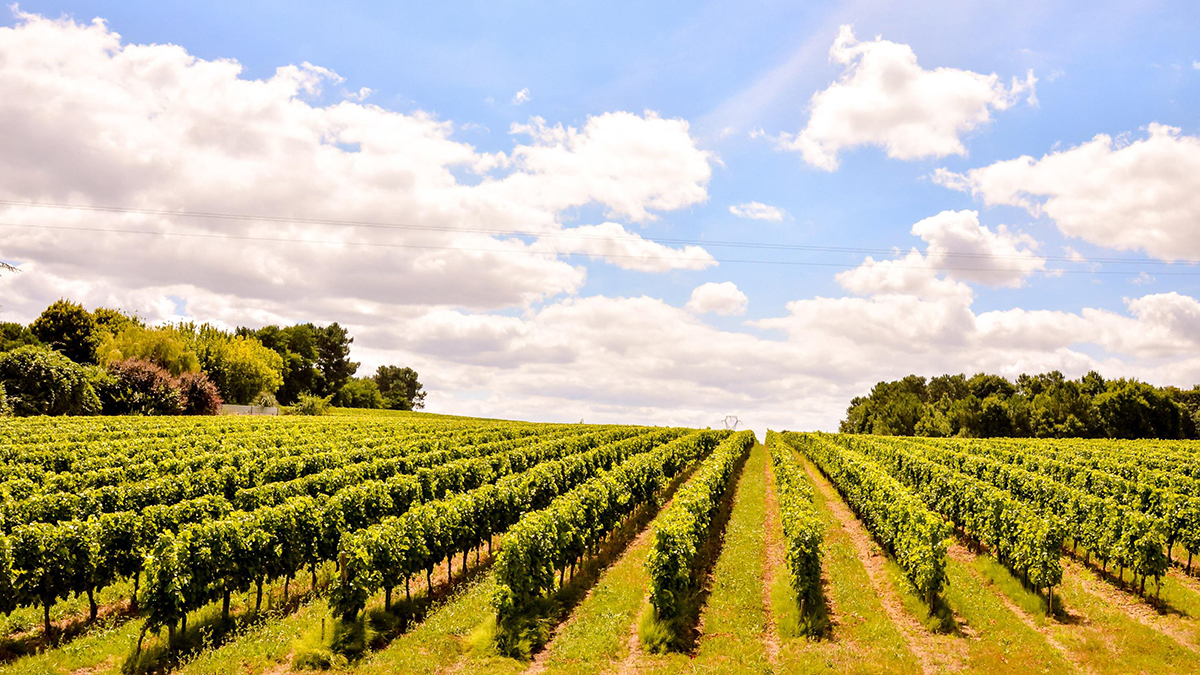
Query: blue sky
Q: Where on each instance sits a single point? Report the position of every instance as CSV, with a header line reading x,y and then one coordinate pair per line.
x,y
741,75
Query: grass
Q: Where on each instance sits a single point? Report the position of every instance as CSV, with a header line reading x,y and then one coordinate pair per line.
x,y
440,640
1109,641
991,638
734,619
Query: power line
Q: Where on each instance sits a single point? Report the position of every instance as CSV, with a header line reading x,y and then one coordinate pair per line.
x,y
896,252
364,244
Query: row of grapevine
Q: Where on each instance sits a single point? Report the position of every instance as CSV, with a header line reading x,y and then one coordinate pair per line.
x,y
1021,537
802,529
249,486
915,536
1106,529
119,545
684,527
574,524
391,553
1141,490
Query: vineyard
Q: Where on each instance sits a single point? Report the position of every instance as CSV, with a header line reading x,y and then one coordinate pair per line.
x,y
416,543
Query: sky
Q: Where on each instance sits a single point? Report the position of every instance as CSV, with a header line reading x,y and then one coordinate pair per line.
x,y
659,213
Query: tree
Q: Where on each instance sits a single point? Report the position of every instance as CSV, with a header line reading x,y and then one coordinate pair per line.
x,y
333,358
239,365
297,346
112,321
359,392
69,329
40,381
13,335
400,388
165,347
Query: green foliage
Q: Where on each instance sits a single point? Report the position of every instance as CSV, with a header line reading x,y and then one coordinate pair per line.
x,y
13,335
165,347
5,408
311,404
39,381
1046,406
359,392
69,329
683,529
400,388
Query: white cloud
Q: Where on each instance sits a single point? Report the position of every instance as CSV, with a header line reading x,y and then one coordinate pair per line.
x,y
758,211
631,164
1143,194
885,98
521,96
719,298
958,247
89,120
627,250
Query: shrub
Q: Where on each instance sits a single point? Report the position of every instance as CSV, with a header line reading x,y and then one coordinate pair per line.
x,y
309,404
40,381
143,388
198,395
265,399
4,408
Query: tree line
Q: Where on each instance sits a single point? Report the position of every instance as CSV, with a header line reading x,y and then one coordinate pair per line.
x,y
72,361
1048,405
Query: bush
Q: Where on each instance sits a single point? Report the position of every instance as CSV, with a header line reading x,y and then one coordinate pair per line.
x,y
265,399
308,404
40,381
142,388
198,395
4,408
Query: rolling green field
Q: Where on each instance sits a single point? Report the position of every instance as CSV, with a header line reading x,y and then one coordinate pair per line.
x,y
417,543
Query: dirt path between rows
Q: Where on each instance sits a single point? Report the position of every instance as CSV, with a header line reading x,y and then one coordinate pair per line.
x,y
774,564
959,553
918,640
1134,608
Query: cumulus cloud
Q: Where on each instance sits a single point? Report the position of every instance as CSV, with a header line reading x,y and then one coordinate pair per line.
x,y
87,119
632,164
1143,194
521,96
758,211
719,298
958,247
885,98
